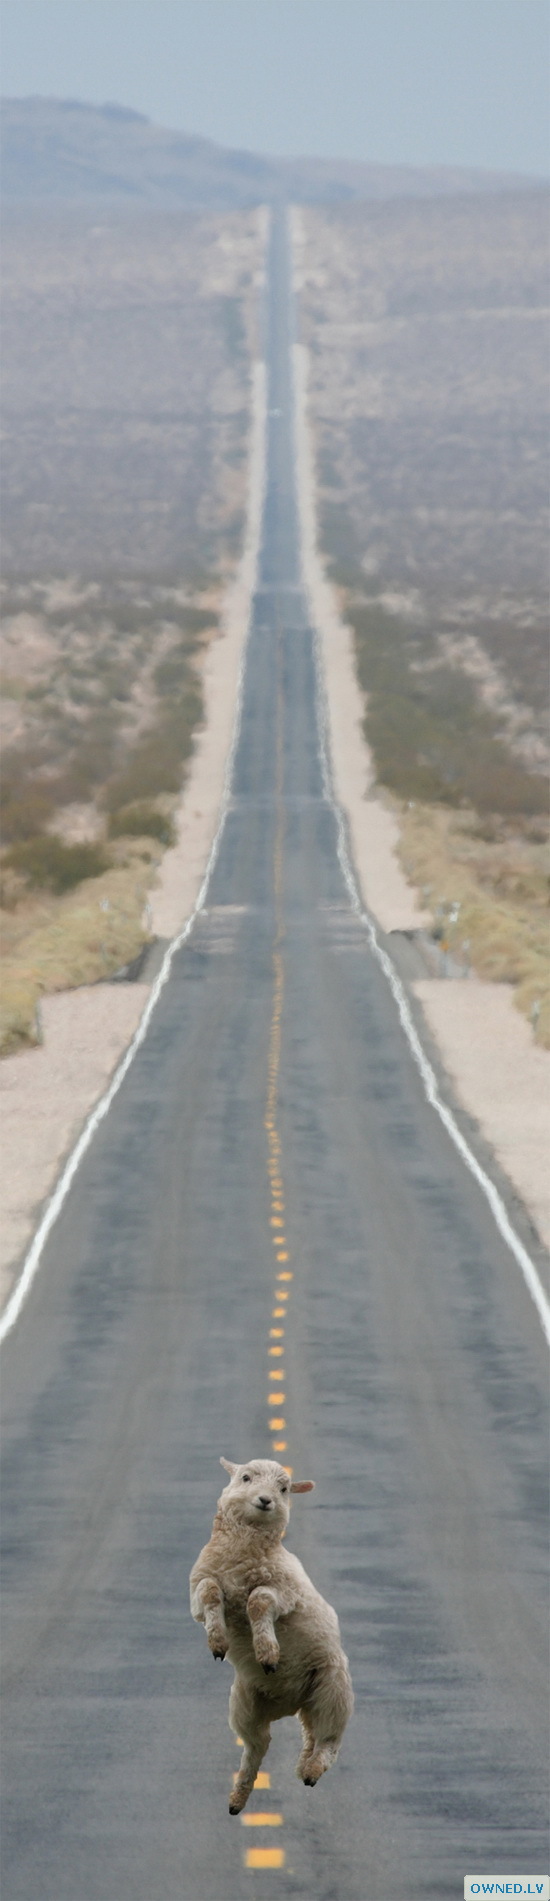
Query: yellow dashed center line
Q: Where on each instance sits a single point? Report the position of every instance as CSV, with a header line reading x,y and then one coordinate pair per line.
x,y
269,1819
272,1818
264,1858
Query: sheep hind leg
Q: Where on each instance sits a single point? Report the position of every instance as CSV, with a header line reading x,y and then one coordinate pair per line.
x,y
323,1724
322,1757
247,1719
316,1755
308,1743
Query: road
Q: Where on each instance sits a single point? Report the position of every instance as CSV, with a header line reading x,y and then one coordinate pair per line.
x,y
415,1390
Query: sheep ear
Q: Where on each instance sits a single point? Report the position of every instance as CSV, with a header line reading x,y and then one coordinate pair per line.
x,y
303,1485
228,1467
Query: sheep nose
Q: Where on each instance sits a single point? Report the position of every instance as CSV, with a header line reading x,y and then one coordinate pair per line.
x,y
264,1501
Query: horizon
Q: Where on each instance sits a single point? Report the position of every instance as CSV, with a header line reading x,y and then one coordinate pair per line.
x,y
118,109
416,83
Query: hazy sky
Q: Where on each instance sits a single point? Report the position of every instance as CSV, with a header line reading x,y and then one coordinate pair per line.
x,y
460,82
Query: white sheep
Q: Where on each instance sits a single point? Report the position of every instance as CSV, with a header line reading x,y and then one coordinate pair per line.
x,y
261,1611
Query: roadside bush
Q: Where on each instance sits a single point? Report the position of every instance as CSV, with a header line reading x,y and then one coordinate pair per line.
x,y
142,821
24,807
430,738
341,544
196,620
173,671
156,762
232,326
47,863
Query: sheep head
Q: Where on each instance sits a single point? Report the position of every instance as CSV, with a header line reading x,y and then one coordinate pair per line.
x,y
258,1495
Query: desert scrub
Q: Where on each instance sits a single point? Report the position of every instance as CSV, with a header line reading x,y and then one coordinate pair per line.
x,y
488,895
46,862
473,819
431,738
108,698
142,821
57,944
156,763
25,804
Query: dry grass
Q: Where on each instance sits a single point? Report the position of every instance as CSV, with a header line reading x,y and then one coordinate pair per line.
x,y
487,887
56,944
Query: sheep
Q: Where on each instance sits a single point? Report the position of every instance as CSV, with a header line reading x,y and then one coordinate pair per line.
x,y
260,1610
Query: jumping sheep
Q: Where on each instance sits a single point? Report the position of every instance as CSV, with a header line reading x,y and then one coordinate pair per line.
x,y
260,1610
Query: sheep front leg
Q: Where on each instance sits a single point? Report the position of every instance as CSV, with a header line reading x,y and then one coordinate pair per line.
x,y
262,1608
207,1608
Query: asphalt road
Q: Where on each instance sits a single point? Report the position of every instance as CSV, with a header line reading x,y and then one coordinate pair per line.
x,y
414,1390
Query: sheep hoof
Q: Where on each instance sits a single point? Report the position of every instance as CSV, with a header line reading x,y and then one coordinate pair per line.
x,y
238,1799
220,1654
269,1669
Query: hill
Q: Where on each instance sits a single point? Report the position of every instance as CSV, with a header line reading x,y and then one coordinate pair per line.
x,y
61,149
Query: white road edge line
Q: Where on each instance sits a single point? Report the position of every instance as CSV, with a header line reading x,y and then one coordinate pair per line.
x,y
97,1114
496,1204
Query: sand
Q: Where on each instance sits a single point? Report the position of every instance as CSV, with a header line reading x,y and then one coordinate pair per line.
x,y
500,1076
373,827
46,1094
487,1047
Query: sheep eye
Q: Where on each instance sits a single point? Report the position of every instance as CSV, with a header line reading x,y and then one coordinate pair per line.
x,y
246,1478
284,1488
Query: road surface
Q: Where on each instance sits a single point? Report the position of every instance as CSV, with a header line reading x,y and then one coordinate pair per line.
x,y
413,1392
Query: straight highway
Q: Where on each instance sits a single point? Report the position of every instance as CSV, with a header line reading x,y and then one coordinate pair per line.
x,y
272,1246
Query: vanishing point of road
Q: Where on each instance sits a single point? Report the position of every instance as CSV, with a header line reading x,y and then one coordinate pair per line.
x,y
272,1243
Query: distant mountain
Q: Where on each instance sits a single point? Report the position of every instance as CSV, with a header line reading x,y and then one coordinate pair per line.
x,y
64,149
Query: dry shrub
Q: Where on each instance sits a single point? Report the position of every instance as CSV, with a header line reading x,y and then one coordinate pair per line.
x,y
431,738
156,762
46,862
500,887
142,821
19,997
77,939
24,807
